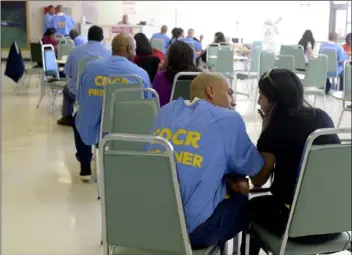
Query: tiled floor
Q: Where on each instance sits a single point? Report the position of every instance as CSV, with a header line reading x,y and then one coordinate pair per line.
x,y
45,207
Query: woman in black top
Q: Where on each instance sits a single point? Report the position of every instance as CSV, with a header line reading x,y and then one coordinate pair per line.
x,y
287,123
307,42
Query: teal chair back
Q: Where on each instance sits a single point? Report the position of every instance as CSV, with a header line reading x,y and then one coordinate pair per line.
x,y
64,49
224,61
322,200
258,44
285,62
181,86
134,82
255,58
132,116
212,53
157,44
332,61
226,46
82,63
141,201
267,60
347,81
316,73
297,52
299,60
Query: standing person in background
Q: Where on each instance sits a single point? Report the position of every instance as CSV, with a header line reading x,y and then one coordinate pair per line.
x,y
347,46
77,38
179,58
124,20
341,58
307,42
49,37
62,22
92,48
48,17
162,35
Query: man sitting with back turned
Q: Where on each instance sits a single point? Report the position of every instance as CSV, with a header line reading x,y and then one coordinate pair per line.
x,y
91,90
210,142
77,38
92,48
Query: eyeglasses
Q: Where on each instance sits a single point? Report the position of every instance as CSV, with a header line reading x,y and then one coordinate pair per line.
x,y
267,76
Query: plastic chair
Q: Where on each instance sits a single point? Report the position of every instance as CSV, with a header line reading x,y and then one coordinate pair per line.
x,y
285,62
212,53
51,77
316,210
142,210
314,82
346,94
150,64
297,52
181,86
157,44
35,69
64,49
332,72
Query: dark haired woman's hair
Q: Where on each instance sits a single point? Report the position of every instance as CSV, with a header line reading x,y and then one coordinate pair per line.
x,y
219,37
143,46
50,31
348,38
306,38
180,58
284,90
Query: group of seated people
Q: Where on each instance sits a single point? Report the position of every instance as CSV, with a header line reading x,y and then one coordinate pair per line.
x,y
213,177
343,51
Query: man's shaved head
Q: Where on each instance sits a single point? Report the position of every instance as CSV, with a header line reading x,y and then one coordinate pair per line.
x,y
214,88
164,29
124,45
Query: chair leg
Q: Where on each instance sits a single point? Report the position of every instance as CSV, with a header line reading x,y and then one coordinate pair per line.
x,y
315,100
340,118
324,98
41,97
248,237
255,97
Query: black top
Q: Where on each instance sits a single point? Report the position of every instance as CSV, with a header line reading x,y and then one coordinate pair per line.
x,y
285,138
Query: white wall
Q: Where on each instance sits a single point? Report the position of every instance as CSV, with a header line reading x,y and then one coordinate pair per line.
x,y
234,18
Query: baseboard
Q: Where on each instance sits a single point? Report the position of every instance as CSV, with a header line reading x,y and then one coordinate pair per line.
x,y
25,59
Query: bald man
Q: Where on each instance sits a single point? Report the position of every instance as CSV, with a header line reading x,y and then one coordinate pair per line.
x,y
91,91
162,35
61,22
124,20
210,141
77,38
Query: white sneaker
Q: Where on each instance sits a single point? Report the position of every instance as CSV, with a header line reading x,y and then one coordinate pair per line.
x,y
85,178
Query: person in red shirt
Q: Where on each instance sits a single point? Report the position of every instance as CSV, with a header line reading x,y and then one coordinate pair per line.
x,y
50,38
145,49
347,47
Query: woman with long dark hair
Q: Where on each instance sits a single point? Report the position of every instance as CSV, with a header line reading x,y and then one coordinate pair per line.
x,y
287,122
179,58
145,49
307,42
219,38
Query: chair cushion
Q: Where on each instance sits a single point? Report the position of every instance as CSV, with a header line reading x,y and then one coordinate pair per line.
x,y
272,243
246,75
213,250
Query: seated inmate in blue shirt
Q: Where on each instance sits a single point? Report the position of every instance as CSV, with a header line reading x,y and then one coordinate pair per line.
x,y
162,35
62,22
95,77
210,141
341,54
93,48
